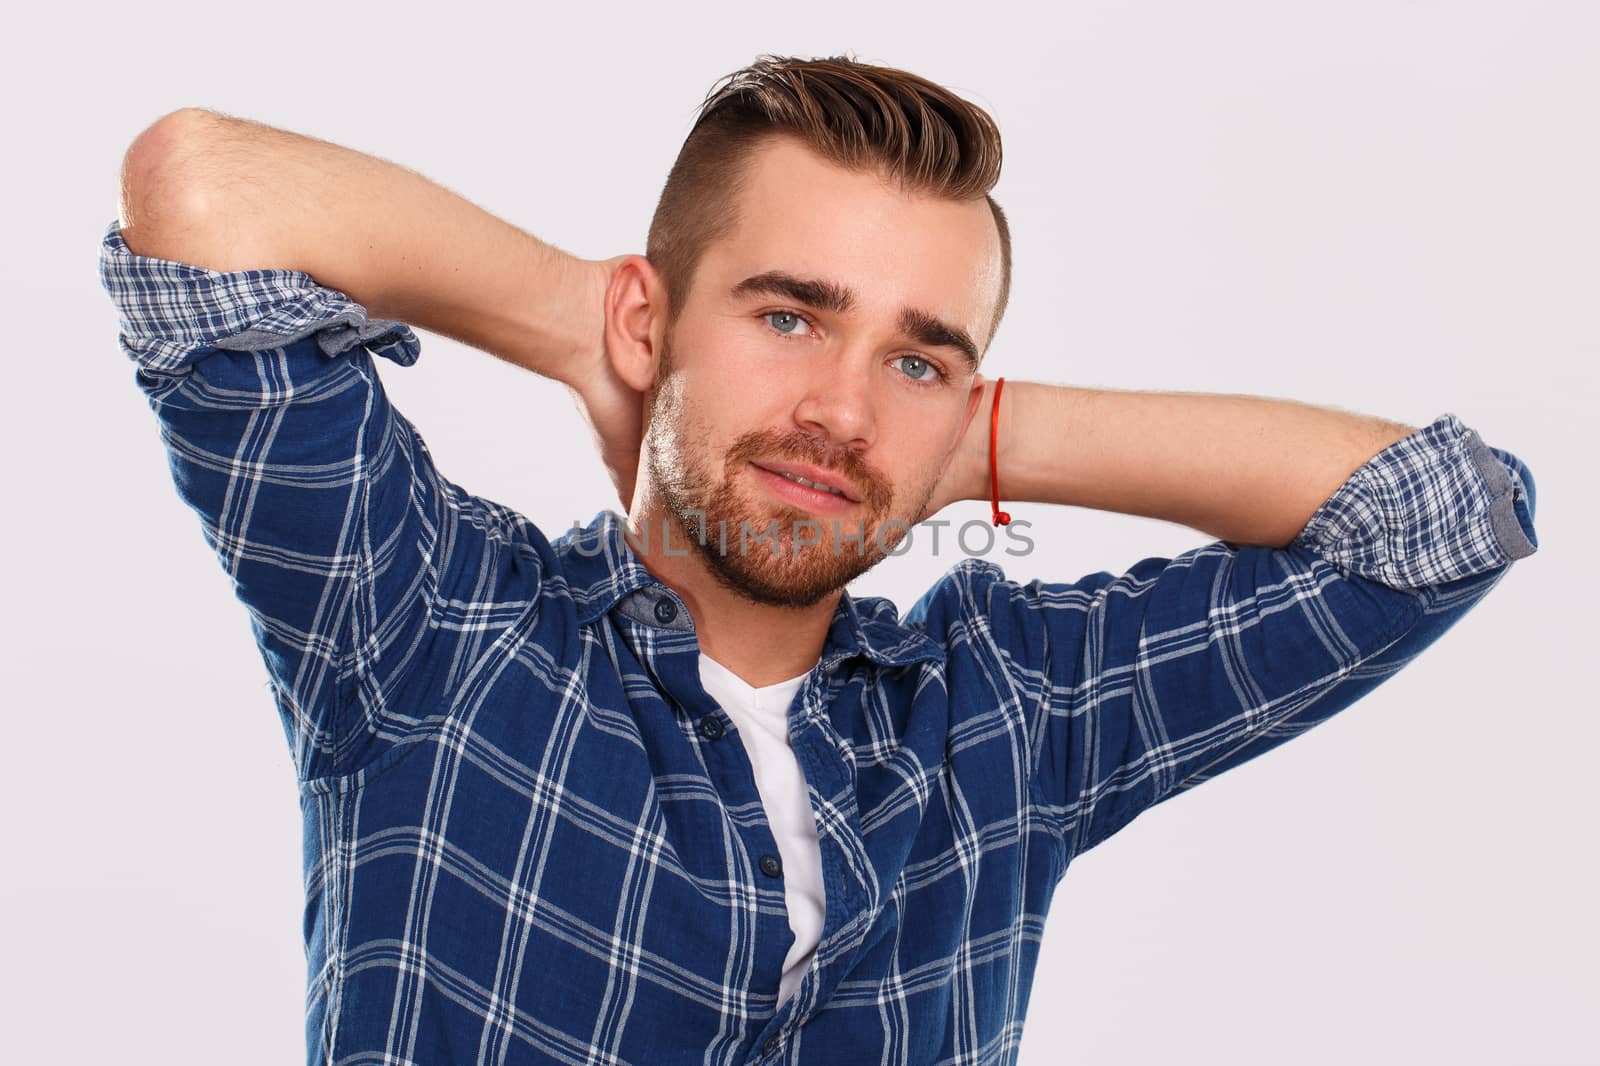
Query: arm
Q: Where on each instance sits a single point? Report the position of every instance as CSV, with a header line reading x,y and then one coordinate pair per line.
x,y
369,578
228,194
1134,688
231,195
320,501
1244,469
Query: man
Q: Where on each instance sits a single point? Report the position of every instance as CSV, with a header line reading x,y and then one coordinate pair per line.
x,y
648,794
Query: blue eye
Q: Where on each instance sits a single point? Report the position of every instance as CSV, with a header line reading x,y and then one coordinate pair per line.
x,y
928,371
799,321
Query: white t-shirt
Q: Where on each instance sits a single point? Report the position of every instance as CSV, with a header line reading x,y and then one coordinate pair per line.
x,y
761,716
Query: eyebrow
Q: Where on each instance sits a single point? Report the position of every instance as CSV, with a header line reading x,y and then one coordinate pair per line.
x,y
823,295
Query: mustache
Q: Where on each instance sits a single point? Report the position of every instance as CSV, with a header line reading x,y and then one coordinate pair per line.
x,y
802,448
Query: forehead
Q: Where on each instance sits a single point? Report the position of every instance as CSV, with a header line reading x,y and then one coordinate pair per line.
x,y
803,215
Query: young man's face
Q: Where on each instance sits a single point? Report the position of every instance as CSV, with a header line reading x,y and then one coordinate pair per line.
x,y
757,374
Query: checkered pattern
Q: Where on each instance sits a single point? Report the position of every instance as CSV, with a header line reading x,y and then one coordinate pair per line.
x,y
521,846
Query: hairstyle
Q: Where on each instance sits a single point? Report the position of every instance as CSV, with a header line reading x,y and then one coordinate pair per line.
x,y
855,115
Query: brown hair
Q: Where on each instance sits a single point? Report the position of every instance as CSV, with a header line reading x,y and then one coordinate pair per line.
x,y
853,114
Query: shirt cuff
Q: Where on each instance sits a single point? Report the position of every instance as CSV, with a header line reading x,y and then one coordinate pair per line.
x,y
1433,507
173,313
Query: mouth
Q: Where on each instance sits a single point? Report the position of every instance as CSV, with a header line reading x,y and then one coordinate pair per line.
x,y
808,486
815,478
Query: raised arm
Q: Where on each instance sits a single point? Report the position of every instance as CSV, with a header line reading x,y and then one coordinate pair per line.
x,y
1347,547
361,565
1244,469
229,194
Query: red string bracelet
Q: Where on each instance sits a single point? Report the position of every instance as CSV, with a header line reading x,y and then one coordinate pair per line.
x,y
1001,518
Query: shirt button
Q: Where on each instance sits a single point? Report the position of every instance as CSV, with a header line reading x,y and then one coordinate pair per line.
x,y
711,727
771,866
769,1046
666,610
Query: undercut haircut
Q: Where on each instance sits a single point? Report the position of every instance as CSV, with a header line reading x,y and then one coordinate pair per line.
x,y
920,136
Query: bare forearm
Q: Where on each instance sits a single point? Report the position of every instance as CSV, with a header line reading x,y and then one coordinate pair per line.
x,y
229,194
1245,469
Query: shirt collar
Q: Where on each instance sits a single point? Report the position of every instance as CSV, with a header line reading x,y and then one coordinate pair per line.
x,y
602,569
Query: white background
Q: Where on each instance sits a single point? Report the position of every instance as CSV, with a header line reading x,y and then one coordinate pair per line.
x,y
1385,207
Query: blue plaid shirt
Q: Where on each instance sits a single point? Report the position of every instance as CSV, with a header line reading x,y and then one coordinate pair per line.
x,y
532,837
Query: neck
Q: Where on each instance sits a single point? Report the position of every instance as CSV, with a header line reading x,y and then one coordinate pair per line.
x,y
760,643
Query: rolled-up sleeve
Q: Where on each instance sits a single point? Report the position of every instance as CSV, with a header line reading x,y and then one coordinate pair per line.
x,y
1137,687
1434,506
319,498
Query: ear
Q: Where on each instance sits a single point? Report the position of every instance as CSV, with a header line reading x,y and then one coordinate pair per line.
x,y
636,317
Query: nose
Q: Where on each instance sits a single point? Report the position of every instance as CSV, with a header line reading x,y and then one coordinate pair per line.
x,y
838,403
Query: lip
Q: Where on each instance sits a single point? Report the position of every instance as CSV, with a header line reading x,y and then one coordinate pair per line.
x,y
795,493
812,473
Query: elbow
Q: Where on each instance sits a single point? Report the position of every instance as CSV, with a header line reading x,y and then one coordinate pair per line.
x,y
160,192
